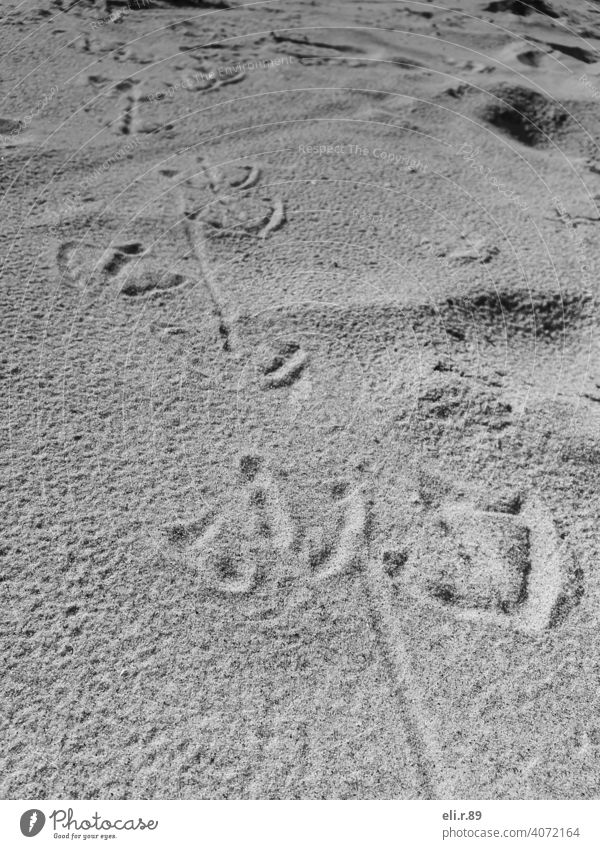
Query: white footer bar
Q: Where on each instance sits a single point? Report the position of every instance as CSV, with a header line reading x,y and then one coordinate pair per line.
x,y
306,824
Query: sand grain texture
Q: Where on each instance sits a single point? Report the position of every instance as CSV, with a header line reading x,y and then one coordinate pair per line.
x,y
301,384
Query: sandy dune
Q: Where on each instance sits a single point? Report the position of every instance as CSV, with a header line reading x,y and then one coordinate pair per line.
x,y
301,376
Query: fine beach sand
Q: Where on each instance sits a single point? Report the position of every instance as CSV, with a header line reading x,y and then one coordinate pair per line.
x,y
301,384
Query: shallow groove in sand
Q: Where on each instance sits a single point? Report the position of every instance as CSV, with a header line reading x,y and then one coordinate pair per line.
x,y
195,239
418,726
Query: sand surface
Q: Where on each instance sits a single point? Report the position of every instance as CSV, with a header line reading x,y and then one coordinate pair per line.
x,y
301,388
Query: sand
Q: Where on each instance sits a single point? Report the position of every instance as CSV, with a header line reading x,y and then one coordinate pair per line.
x,y
301,381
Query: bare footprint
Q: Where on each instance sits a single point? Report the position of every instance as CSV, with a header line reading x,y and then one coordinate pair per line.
x,y
276,220
324,557
114,259
285,367
146,278
248,176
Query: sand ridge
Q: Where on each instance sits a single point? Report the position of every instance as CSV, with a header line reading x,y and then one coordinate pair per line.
x,y
302,398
